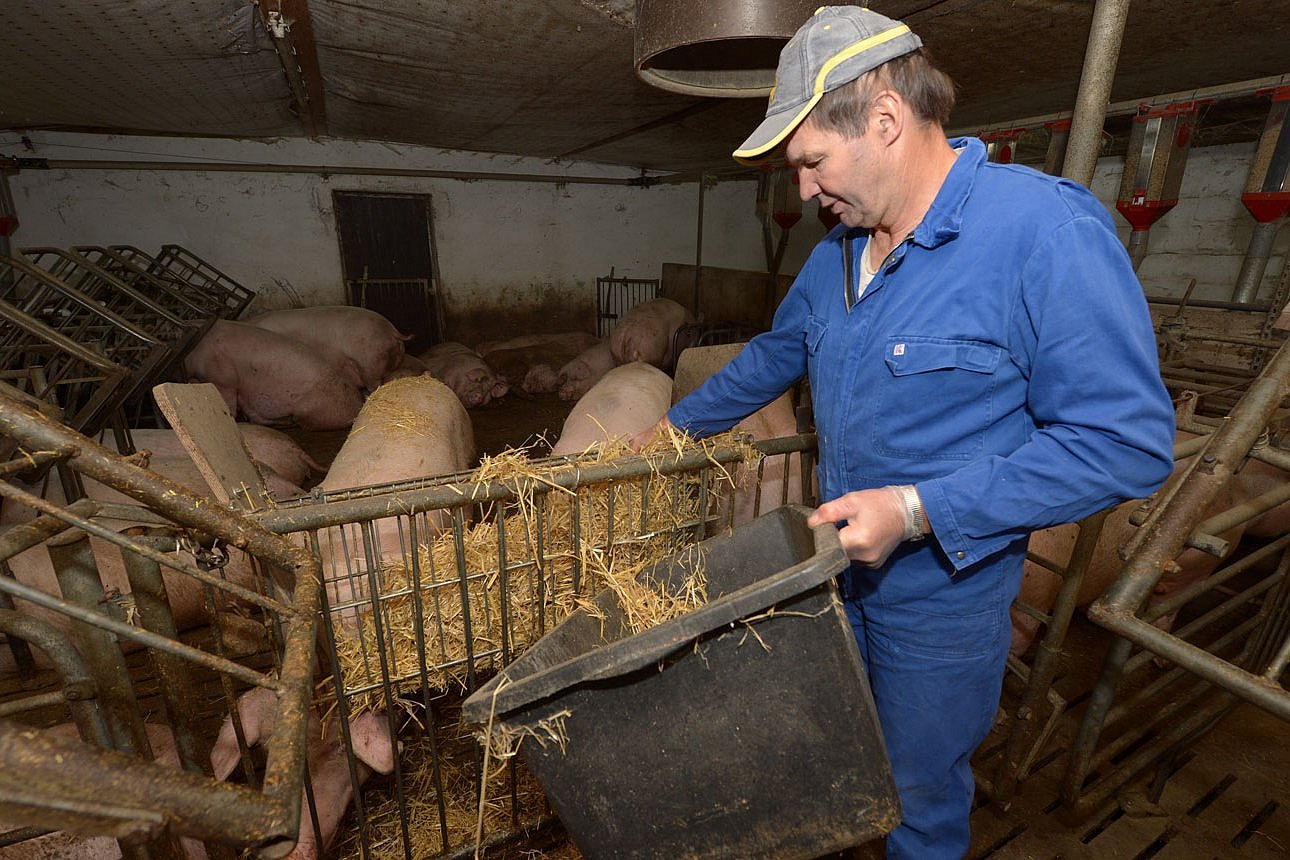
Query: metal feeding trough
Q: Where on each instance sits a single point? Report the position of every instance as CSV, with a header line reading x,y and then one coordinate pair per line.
x,y
743,729
720,48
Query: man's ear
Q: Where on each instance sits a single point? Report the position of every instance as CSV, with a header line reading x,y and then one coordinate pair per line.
x,y
887,115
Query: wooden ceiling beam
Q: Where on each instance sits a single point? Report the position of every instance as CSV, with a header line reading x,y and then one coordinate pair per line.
x,y
288,24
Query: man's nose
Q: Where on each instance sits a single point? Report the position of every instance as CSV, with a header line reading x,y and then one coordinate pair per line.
x,y
806,186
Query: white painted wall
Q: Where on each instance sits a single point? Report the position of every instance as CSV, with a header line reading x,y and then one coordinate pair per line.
x,y
520,245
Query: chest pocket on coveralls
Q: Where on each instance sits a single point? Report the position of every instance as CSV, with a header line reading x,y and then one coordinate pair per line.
x,y
935,402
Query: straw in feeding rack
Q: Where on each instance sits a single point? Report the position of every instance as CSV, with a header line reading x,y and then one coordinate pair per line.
x,y
560,547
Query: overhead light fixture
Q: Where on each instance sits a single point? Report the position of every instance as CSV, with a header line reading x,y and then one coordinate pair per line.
x,y
718,48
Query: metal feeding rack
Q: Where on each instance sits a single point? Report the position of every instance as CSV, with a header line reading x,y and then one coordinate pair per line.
x,y
430,587
177,330
172,543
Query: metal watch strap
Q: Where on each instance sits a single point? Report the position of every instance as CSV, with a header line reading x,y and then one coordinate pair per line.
x,y
913,512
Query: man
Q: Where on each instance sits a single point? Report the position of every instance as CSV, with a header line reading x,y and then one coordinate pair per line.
x,y
981,364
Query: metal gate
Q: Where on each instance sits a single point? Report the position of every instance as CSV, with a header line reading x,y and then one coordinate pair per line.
x,y
615,296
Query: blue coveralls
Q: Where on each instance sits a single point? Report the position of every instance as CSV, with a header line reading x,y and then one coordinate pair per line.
x,y
1002,360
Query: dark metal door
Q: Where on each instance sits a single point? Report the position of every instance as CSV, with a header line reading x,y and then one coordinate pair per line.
x,y
389,262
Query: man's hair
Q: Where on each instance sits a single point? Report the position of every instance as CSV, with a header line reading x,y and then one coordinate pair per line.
x,y
928,91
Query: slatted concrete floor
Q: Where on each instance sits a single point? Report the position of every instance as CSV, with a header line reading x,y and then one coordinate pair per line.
x,y
1227,797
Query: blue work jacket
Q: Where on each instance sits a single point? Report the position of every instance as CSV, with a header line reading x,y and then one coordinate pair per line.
x,y
1002,360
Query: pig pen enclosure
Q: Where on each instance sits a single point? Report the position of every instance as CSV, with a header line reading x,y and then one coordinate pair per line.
x,y
427,588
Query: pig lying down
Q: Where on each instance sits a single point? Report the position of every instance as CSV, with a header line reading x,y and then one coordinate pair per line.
x,y
584,371
461,369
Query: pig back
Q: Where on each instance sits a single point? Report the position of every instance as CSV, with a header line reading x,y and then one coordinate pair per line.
x,y
408,428
273,379
625,401
371,342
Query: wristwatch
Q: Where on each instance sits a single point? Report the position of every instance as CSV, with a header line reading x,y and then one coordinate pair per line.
x,y
913,512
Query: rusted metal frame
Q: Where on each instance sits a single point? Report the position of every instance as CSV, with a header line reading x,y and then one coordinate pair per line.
x,y
178,694
1142,723
83,787
1166,532
143,637
31,270
96,408
1196,723
1018,748
1277,607
164,496
23,662
178,262
67,265
144,356
69,516
210,302
1215,580
82,586
1205,535
1081,796
29,462
295,570
78,690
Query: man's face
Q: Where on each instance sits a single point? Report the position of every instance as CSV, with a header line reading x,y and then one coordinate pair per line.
x,y
844,173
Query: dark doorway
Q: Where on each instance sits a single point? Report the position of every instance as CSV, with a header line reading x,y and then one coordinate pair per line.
x,y
389,263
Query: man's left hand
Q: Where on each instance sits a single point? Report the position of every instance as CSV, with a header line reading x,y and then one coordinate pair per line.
x,y
875,523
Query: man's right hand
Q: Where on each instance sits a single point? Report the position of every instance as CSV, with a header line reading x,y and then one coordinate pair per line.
x,y
642,439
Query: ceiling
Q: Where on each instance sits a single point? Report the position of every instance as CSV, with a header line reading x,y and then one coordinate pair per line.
x,y
555,78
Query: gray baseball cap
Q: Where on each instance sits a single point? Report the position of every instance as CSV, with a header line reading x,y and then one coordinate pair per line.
x,y
837,45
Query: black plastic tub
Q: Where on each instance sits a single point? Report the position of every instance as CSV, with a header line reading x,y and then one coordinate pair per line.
x,y
743,729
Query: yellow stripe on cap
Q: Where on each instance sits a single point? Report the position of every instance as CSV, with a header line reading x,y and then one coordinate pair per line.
x,y
851,50
840,57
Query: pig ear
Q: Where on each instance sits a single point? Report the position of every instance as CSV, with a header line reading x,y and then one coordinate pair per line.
x,y
500,389
224,753
256,708
370,737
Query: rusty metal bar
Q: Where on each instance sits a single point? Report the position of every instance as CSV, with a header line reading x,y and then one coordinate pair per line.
x,y
68,517
1166,535
1044,667
78,690
87,786
267,819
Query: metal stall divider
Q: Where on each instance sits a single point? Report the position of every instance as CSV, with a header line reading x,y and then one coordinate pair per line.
x,y
51,782
1236,648
180,264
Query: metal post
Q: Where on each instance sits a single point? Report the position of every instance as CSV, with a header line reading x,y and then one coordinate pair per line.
x,y
1256,261
698,245
1100,59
